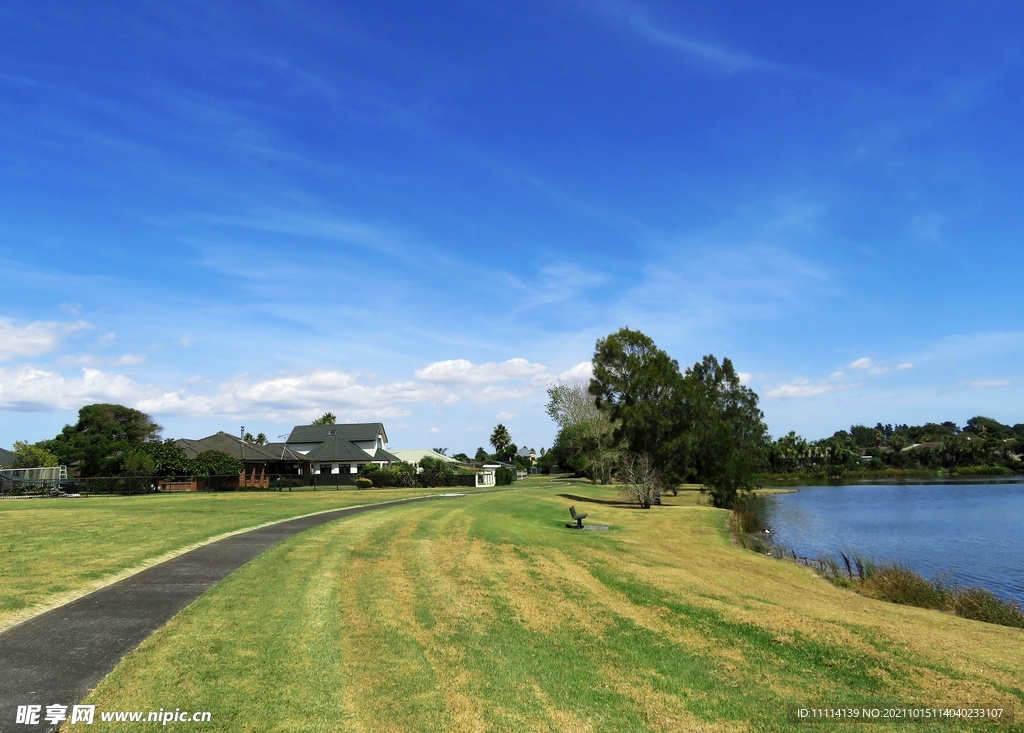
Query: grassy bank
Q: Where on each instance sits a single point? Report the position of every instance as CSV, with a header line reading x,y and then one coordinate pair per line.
x,y
53,550
486,614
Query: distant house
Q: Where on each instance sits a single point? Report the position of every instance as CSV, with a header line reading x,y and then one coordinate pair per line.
x,y
340,449
528,453
931,445
415,455
7,458
310,450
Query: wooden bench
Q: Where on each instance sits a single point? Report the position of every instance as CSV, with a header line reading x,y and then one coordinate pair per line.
x,y
578,517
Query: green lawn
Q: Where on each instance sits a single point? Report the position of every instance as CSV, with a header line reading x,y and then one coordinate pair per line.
x,y
486,614
52,550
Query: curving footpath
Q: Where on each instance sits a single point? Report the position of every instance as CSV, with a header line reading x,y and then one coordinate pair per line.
x,y
58,657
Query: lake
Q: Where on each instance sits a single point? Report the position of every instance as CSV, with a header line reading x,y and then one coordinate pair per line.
x,y
967,532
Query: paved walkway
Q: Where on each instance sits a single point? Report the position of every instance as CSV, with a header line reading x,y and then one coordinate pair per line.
x,y
58,657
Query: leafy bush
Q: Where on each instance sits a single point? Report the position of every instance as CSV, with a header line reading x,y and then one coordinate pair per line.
x,y
980,605
401,475
285,483
435,472
216,463
504,476
744,521
899,584
364,483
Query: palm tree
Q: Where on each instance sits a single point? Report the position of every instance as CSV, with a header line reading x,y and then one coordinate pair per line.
x,y
327,419
500,438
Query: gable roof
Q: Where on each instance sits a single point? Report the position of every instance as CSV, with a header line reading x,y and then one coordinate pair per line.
x,y
7,458
352,432
383,455
336,448
233,446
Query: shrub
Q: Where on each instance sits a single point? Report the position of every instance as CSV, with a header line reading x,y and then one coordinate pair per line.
x,y
285,483
504,476
981,605
745,521
435,472
900,584
364,483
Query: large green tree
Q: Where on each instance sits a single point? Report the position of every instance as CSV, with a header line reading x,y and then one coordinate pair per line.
x,y
702,424
646,397
731,437
102,437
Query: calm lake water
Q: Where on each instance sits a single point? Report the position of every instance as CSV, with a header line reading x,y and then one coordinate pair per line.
x,y
970,533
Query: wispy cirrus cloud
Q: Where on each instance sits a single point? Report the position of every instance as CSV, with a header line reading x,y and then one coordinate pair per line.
x,y
990,383
710,54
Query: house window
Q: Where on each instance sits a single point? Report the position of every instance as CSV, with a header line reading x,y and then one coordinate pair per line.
x,y
331,432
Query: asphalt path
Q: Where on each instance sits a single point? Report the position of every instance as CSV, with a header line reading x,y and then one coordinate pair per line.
x,y
58,657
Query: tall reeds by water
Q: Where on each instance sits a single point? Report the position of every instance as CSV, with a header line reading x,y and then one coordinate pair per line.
x,y
892,582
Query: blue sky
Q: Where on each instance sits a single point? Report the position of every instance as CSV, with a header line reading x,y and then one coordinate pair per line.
x,y
250,213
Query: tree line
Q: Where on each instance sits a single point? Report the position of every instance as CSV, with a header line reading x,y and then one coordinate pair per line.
x,y
983,445
652,426
114,440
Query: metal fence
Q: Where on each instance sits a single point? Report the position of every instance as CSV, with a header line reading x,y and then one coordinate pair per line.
x,y
35,486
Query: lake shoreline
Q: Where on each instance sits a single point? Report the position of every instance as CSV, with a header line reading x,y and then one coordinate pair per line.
x,y
959,532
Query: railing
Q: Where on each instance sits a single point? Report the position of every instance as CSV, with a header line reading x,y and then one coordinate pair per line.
x,y
14,486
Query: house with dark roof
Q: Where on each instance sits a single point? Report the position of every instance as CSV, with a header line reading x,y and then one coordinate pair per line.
x,y
340,449
259,462
333,452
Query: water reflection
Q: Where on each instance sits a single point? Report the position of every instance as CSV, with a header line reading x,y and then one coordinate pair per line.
x,y
970,533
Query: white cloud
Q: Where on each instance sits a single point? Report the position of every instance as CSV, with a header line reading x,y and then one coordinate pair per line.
x,y
905,365
583,370
871,366
126,359
800,387
990,383
33,339
463,371
491,393
745,377
435,430
29,389
74,381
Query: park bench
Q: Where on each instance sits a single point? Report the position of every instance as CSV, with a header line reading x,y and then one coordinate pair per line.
x,y
578,517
